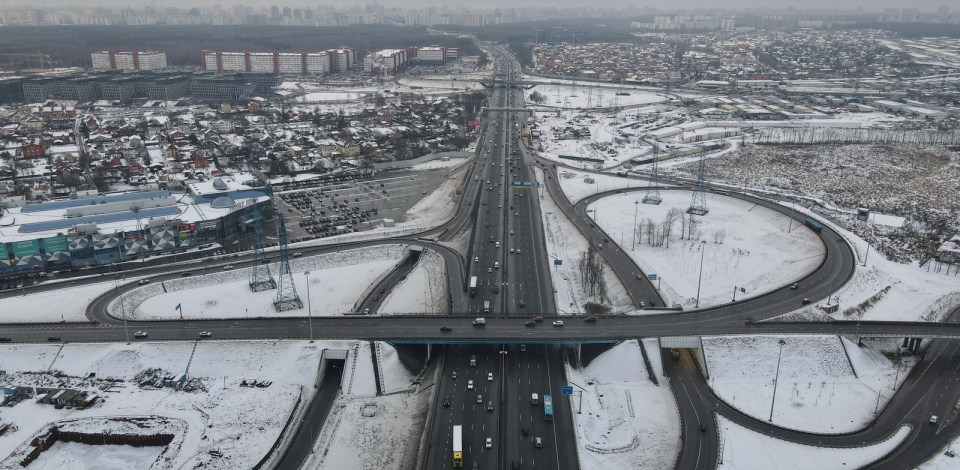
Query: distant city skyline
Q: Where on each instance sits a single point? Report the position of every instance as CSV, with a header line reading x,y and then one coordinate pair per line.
x,y
847,5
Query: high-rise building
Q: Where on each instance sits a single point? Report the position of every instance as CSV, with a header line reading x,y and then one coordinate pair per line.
x,y
274,12
286,12
122,60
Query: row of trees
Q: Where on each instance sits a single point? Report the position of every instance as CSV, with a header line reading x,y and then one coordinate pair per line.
x,y
658,234
832,135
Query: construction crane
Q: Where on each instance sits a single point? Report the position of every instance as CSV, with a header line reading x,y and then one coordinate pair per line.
x,y
42,59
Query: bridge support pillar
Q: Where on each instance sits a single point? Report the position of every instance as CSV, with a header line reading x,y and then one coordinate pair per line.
x,y
579,352
905,341
428,351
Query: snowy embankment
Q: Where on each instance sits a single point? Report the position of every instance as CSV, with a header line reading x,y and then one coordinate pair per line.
x,y
68,304
239,422
817,390
746,246
424,290
626,420
564,242
367,431
886,290
744,449
574,185
337,280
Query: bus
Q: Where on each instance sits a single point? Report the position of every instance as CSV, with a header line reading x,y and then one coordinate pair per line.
x,y
813,225
473,286
458,446
547,408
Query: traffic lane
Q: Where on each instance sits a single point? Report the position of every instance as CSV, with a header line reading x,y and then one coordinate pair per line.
x,y
373,300
699,449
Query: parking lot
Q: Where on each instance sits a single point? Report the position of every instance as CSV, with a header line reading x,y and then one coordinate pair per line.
x,y
334,206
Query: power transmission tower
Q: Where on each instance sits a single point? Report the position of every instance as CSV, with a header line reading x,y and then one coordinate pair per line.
x,y
653,188
287,298
698,203
261,278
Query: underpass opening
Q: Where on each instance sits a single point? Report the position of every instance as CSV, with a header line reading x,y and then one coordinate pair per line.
x,y
673,346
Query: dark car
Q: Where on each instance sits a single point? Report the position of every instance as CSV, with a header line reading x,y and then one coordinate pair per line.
x,y
382,289
525,431
806,301
186,274
446,328
590,319
53,338
530,323
520,303
703,427
376,297
446,401
4,340
652,303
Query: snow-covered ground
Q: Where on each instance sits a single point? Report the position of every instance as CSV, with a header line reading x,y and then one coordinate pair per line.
x,y
438,206
213,413
337,281
942,460
76,456
818,391
564,242
434,164
329,96
69,304
744,449
424,290
887,290
755,253
585,94
600,145
396,376
626,420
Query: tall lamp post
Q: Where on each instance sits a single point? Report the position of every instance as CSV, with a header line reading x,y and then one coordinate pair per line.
x,y
703,248
775,379
309,309
636,207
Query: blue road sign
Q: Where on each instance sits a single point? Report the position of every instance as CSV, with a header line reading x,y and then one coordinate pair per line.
x,y
525,184
652,276
558,262
567,390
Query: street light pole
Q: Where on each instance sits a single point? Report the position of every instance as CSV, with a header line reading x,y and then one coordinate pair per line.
x,y
309,309
636,207
775,379
703,248
790,222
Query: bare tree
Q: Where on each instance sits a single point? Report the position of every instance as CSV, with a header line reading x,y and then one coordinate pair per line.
x,y
651,228
672,215
693,230
640,226
683,226
591,274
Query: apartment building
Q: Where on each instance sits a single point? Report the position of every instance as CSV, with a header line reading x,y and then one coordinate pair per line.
x,y
124,60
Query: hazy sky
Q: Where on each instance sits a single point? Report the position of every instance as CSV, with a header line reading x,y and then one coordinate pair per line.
x,y
868,5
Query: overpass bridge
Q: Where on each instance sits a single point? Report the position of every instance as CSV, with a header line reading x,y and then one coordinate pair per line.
x,y
501,83
487,110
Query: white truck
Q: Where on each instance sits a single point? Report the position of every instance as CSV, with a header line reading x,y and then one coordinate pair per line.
x,y
481,321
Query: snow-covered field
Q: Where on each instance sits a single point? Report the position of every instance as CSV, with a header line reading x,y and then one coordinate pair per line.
x,y
424,290
329,96
600,145
755,253
626,420
564,242
887,290
434,164
337,280
744,449
213,413
69,304
76,456
818,391
575,188
585,94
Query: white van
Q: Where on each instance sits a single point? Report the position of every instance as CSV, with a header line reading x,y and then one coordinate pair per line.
x,y
534,399
496,265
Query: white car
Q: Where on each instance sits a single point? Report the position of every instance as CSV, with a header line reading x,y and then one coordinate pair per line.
x,y
490,376
518,251
476,259
489,443
469,385
228,267
143,281
933,419
558,323
140,334
205,334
